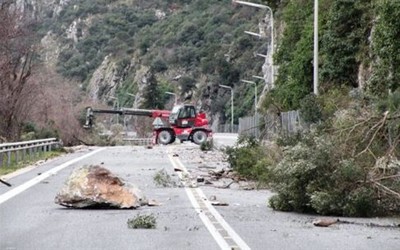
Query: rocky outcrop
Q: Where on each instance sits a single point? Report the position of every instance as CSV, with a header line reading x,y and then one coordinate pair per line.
x,y
106,79
50,49
95,186
37,8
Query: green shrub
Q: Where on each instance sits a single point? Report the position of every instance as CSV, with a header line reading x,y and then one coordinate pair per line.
x,y
163,179
143,221
207,145
159,65
310,109
252,160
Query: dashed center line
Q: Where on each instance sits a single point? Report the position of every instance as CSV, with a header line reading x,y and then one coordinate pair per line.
x,y
221,231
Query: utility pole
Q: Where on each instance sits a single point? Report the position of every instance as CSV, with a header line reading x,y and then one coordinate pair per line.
x,y
315,47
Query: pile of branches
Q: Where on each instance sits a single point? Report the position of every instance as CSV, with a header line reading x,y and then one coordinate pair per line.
x,y
377,150
350,167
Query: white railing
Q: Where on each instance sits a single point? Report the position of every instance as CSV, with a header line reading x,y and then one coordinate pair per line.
x,y
21,150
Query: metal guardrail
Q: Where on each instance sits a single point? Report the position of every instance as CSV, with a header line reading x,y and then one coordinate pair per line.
x,y
22,150
139,141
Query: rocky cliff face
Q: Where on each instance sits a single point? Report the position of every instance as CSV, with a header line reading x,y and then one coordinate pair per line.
x,y
38,8
105,80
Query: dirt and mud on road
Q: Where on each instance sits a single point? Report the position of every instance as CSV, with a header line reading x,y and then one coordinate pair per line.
x,y
246,209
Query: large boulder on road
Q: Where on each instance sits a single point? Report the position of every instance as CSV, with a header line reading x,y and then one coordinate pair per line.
x,y
95,186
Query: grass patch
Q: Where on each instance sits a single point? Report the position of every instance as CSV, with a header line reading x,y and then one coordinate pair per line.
x,y
163,179
143,221
14,166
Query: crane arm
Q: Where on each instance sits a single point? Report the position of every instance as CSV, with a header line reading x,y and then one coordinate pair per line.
x,y
124,111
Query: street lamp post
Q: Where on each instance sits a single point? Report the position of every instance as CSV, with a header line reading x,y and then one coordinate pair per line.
x,y
315,47
271,58
175,96
230,88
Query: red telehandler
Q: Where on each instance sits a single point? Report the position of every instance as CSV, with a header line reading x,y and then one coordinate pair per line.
x,y
183,122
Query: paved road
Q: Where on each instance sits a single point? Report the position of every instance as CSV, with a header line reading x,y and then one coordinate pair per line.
x,y
29,219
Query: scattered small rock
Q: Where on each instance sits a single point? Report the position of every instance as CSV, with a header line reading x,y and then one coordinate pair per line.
x,y
194,228
207,182
218,203
324,222
152,203
207,167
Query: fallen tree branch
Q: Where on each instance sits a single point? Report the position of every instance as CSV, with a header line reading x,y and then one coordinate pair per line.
x,y
381,124
386,189
387,177
5,183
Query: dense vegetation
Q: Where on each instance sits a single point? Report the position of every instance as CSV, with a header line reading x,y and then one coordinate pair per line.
x,y
347,163
203,41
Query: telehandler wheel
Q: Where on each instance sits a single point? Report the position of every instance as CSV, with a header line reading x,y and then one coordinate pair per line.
x,y
199,137
165,137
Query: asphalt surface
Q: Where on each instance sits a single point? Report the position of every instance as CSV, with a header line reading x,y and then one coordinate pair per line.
x,y
31,219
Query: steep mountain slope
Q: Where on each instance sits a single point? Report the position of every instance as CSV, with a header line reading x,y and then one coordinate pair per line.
x,y
114,47
136,50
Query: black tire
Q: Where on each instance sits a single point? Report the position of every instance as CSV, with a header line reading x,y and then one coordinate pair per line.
x,y
199,137
165,137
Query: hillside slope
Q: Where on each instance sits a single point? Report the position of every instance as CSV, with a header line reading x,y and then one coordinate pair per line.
x,y
115,47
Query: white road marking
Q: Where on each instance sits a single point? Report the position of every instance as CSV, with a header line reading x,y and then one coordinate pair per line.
x,y
213,221
13,192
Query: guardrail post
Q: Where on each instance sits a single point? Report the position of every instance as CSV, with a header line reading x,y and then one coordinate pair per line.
x,y
16,156
23,154
1,159
8,158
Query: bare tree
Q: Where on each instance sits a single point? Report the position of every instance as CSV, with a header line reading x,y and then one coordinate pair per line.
x,y
16,61
60,106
